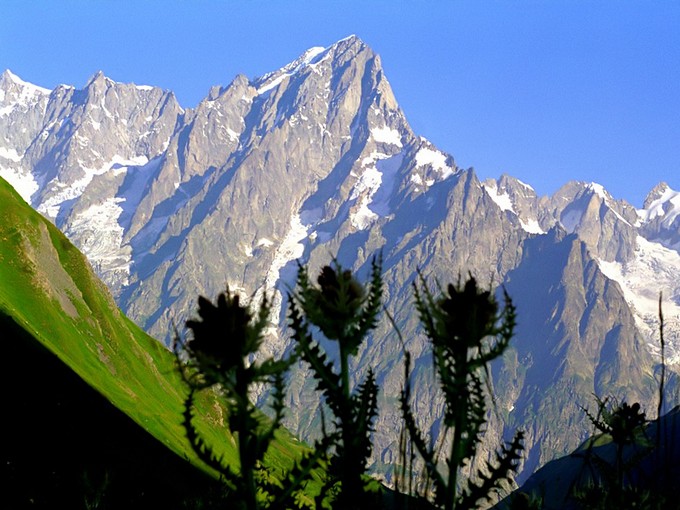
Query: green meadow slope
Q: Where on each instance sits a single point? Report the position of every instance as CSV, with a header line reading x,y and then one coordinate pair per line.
x,y
56,320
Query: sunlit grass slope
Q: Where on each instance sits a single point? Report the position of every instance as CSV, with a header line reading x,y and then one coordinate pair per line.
x,y
49,290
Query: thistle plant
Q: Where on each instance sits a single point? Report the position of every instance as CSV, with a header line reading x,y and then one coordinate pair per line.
x,y
466,332
609,485
622,422
220,355
344,311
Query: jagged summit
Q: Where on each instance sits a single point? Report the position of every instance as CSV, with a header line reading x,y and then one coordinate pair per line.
x,y
346,48
655,194
98,77
99,81
270,80
659,217
341,52
8,77
350,39
19,95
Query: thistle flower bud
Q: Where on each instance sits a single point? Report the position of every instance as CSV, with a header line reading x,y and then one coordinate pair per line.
x,y
221,339
336,305
469,313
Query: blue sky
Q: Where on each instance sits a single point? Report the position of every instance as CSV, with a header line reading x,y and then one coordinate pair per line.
x,y
547,91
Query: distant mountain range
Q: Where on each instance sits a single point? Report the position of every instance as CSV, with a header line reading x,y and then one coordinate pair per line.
x,y
317,160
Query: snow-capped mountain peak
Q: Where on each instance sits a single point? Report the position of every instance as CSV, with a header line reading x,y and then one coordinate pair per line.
x,y
309,59
658,219
511,194
17,94
270,80
9,77
663,202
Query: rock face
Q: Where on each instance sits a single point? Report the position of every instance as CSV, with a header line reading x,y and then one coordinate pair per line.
x,y
317,160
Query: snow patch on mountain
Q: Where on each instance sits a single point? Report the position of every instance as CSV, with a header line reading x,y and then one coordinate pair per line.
x,y
502,200
68,191
386,135
363,216
272,80
134,187
388,169
233,135
101,238
599,190
23,182
531,226
100,229
273,83
10,154
654,269
374,188
290,249
524,184
434,158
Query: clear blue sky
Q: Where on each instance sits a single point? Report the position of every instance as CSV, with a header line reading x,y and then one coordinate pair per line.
x,y
546,91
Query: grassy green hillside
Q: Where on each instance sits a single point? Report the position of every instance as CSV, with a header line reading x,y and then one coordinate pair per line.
x,y
51,302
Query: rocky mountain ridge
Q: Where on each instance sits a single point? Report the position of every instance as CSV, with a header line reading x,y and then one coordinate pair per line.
x,y
317,160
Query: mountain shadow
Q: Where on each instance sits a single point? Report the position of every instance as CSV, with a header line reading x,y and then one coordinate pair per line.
x,y
64,445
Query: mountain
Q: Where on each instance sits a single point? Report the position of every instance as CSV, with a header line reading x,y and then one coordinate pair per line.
x,y
92,404
316,160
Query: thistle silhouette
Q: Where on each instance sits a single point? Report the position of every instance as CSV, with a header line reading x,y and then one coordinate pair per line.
x,y
466,332
220,353
345,311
